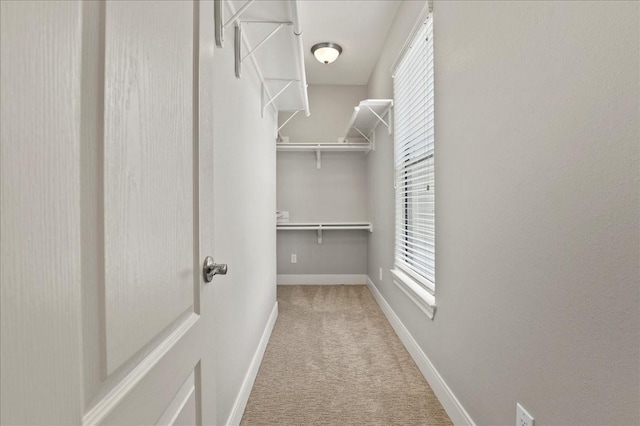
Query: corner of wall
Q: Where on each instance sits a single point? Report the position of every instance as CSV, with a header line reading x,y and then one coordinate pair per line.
x,y
447,398
244,184
235,416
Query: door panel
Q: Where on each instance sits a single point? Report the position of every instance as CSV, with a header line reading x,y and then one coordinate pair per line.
x,y
145,298
152,397
148,163
105,223
183,405
187,414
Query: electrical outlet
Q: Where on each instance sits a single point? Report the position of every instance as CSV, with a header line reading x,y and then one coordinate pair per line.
x,y
294,258
380,274
523,418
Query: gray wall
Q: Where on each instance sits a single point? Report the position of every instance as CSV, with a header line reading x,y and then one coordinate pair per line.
x,y
331,108
538,210
245,238
335,193
380,83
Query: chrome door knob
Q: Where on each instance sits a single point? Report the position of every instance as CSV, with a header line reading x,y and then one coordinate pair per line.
x,y
210,269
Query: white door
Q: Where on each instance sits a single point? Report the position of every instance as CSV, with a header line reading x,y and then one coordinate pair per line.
x,y
107,212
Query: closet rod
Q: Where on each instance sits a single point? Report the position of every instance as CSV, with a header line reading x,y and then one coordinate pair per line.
x,y
297,31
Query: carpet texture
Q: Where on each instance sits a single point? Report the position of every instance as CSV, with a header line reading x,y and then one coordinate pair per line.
x,y
333,359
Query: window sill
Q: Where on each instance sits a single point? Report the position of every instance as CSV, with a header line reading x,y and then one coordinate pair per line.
x,y
418,294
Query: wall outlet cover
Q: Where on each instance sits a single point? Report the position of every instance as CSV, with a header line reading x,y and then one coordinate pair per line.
x,y
523,418
294,258
380,274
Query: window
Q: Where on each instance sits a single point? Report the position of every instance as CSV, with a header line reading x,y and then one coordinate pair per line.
x,y
413,81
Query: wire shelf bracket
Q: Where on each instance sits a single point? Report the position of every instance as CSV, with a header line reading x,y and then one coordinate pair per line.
x,y
363,135
388,125
265,93
367,116
318,158
238,41
219,19
288,119
258,26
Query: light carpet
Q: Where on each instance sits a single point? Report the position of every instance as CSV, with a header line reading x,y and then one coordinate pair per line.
x,y
333,359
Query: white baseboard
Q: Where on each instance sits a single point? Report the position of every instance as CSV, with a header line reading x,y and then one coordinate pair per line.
x,y
322,279
450,403
247,384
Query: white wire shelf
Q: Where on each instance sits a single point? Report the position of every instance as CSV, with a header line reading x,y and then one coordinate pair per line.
x,y
318,148
269,34
366,116
324,146
325,226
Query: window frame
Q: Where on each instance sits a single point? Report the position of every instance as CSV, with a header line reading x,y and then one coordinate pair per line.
x,y
416,286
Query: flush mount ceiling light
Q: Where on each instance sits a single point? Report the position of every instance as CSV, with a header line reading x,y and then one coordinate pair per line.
x,y
326,52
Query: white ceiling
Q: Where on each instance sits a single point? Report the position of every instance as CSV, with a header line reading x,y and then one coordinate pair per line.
x,y
359,26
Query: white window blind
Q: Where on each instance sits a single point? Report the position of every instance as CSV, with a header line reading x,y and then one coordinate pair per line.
x,y
414,160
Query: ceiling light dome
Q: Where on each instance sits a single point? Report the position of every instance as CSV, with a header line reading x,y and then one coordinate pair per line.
x,y
326,52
